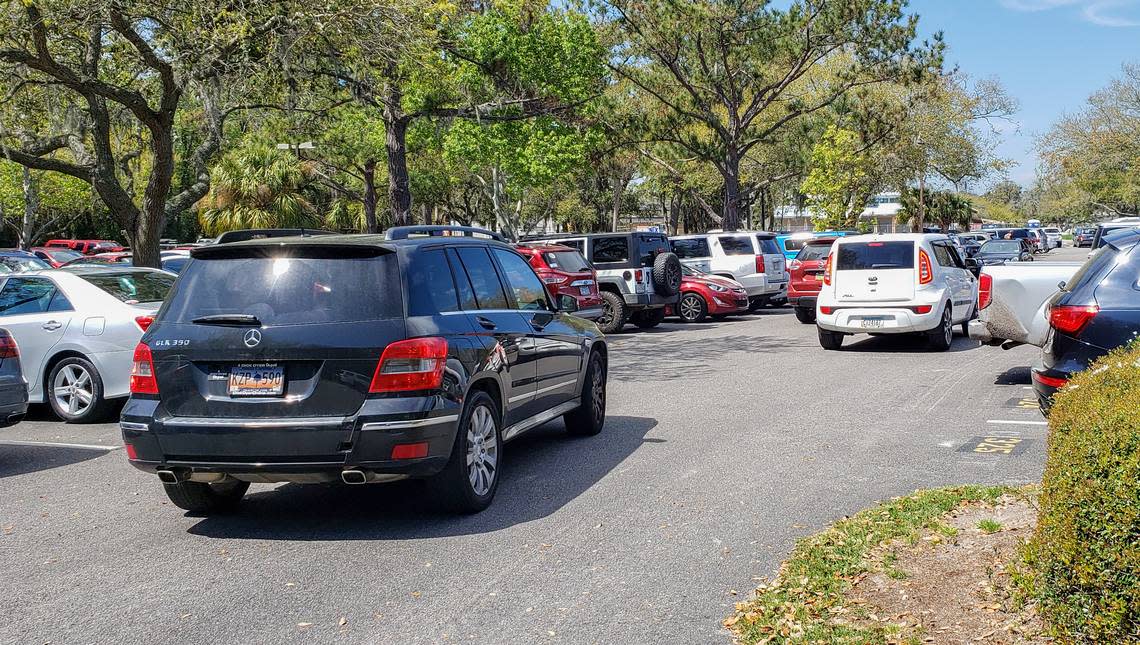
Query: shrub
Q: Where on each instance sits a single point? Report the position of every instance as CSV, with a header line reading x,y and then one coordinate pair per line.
x,y
1084,560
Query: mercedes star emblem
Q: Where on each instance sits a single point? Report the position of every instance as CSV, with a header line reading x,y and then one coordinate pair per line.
x,y
252,338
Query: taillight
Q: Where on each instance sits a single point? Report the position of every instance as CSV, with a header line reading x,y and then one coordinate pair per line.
x,y
827,270
131,453
1049,381
985,290
922,309
759,264
414,364
142,372
925,271
144,322
554,279
823,309
637,275
8,348
1071,319
410,450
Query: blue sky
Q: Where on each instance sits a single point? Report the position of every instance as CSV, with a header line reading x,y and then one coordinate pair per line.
x,y
1049,54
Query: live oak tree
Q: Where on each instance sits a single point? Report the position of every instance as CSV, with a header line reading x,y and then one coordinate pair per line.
x,y
736,75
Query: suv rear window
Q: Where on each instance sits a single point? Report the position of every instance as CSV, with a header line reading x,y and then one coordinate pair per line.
x,y
309,286
737,245
768,245
649,246
865,256
813,251
133,286
569,261
608,250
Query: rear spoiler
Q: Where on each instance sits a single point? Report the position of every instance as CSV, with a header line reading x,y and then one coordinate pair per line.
x,y
292,248
405,232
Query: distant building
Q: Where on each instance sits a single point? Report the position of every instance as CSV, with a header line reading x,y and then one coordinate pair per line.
x,y
880,212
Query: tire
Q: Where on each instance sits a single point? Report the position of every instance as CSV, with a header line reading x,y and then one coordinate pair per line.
x,y
648,318
667,274
829,340
757,303
201,497
477,438
614,313
74,390
587,419
806,316
692,308
941,337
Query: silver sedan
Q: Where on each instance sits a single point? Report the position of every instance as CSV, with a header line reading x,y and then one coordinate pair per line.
x,y
77,330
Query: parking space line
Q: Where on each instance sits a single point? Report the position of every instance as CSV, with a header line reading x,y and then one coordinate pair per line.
x,y
1017,423
53,444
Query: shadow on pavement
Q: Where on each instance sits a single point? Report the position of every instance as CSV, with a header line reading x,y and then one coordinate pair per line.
x,y
904,344
640,360
20,460
545,470
1014,376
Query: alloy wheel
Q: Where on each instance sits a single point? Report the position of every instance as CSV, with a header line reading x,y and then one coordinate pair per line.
x,y
948,327
690,307
598,391
482,450
73,390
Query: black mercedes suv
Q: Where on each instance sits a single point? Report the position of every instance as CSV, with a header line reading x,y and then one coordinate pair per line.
x,y
356,358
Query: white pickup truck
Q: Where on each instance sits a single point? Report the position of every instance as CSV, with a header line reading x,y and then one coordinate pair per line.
x,y
1011,302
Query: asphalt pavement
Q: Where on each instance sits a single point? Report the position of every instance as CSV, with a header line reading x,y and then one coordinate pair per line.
x,y
726,441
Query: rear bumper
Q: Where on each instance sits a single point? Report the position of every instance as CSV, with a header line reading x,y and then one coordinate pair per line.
x,y
761,284
649,300
979,330
894,320
1046,383
282,449
804,302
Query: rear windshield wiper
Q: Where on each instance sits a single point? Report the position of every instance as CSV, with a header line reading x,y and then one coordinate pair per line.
x,y
228,319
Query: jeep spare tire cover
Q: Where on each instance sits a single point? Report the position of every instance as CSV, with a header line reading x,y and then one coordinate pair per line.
x,y
667,274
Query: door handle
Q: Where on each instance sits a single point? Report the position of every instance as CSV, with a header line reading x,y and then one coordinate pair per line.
x,y
52,325
486,323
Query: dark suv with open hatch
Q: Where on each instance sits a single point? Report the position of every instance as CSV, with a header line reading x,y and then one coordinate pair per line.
x,y
356,358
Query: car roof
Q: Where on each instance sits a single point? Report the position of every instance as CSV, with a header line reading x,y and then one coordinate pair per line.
x,y
540,247
342,240
891,237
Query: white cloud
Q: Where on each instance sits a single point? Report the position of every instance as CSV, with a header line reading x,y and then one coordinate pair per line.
x,y
1107,13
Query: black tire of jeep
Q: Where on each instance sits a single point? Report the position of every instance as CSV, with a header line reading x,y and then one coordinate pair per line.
x,y
99,407
667,274
201,497
614,313
829,340
452,485
588,418
648,318
805,315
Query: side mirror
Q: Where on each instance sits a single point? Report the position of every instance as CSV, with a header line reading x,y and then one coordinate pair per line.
x,y
972,263
567,304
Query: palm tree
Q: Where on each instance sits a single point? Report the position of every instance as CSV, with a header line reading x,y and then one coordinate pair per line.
x,y
259,187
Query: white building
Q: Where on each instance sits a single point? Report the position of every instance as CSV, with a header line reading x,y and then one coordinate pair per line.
x,y
880,212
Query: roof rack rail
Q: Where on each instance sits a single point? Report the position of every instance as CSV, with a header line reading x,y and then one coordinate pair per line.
x,y
405,232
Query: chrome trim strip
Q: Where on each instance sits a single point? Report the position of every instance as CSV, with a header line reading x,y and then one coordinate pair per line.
x,y
556,386
255,423
414,423
538,419
524,395
138,427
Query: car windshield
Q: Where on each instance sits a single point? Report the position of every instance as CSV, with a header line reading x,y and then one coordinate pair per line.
x,y
63,255
133,287
865,256
569,261
1001,246
20,264
814,251
696,273
309,286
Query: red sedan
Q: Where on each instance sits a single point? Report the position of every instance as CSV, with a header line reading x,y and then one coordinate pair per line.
x,y
704,294
56,256
565,273
807,276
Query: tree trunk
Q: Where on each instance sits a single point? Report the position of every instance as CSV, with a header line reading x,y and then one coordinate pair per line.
x,y
731,191
916,224
31,208
396,146
370,224
151,220
618,192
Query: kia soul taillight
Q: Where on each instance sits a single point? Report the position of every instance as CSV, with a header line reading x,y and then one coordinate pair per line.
x,y
925,270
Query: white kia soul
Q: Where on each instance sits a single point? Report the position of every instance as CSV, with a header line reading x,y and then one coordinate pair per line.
x,y
894,284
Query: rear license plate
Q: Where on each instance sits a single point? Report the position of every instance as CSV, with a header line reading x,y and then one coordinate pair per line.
x,y
872,323
257,379
585,291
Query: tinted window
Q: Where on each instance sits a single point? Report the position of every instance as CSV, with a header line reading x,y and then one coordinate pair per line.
x,y
648,246
571,261
26,296
697,247
528,290
575,244
304,285
430,287
489,292
813,252
610,249
768,245
736,245
794,245
175,265
134,286
462,283
942,254
863,256
1001,246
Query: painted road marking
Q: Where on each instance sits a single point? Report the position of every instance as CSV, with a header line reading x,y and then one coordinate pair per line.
x,y
53,444
1022,404
1017,423
996,445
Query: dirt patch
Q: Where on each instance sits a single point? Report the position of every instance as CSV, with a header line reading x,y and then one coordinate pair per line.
x,y
951,585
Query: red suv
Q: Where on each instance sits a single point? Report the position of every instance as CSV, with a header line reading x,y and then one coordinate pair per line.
x,y
704,294
807,276
86,247
566,273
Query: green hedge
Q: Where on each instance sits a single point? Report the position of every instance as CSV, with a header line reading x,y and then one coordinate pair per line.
x,y
1084,560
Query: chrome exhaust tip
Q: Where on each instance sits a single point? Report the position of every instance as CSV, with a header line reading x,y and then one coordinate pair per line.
x,y
168,477
353,476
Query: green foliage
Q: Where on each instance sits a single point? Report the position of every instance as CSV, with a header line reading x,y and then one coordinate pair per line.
x,y
989,525
799,605
837,185
1084,559
258,187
